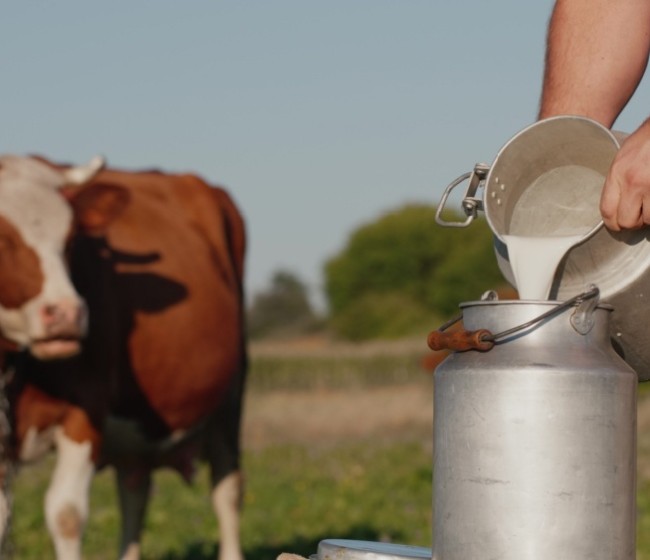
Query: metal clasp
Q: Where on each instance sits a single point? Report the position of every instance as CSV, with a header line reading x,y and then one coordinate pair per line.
x,y
471,204
582,319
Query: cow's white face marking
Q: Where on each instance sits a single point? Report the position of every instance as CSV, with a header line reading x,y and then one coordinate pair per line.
x,y
30,202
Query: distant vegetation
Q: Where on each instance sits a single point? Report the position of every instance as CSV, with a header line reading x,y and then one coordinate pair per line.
x,y
281,310
403,271
396,276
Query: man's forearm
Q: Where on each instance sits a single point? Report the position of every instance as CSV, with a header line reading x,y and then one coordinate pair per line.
x,y
596,55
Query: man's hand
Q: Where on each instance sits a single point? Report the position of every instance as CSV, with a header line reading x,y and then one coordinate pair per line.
x,y
625,200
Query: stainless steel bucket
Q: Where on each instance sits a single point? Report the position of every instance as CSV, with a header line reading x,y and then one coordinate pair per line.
x,y
346,549
546,181
535,439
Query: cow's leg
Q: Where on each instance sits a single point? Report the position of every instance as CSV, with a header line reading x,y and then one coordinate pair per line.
x,y
226,501
66,501
5,508
6,469
134,488
222,449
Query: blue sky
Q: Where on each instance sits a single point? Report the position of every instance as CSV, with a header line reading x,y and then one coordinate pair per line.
x,y
317,116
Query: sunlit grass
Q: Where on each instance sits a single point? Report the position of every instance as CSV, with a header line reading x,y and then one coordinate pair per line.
x,y
296,494
295,497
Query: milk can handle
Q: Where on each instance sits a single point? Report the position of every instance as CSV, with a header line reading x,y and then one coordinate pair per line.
x,y
471,204
484,340
460,341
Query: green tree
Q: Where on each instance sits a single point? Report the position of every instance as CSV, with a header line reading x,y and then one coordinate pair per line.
x,y
403,271
282,309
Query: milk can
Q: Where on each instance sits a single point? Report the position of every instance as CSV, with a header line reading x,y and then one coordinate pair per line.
x,y
546,181
535,435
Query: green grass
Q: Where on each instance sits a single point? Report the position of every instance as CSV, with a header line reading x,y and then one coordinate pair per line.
x,y
295,497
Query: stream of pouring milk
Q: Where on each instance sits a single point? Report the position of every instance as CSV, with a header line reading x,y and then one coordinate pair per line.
x,y
554,213
534,261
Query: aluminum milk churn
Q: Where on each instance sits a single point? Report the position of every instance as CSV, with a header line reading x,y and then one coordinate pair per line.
x,y
535,435
546,181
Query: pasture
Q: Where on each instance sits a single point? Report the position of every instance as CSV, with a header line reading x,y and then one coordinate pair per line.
x,y
337,444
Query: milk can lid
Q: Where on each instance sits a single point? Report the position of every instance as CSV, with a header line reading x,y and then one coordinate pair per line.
x,y
343,549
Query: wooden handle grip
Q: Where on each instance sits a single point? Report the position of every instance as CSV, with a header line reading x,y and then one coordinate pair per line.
x,y
460,341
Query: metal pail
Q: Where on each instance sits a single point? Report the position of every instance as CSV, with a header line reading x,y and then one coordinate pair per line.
x,y
346,549
546,181
535,438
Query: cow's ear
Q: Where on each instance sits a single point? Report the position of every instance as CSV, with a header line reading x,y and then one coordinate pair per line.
x,y
97,205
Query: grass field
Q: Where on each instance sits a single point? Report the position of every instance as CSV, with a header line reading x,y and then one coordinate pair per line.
x,y
338,444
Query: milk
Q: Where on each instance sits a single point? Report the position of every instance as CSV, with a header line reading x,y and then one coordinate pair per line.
x,y
554,213
534,260
561,202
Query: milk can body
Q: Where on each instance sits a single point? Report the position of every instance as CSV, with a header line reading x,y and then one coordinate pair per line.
x,y
535,442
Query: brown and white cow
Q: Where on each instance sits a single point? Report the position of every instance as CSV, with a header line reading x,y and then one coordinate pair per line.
x,y
121,301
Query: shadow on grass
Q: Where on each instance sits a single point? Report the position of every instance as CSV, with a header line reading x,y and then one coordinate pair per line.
x,y
303,547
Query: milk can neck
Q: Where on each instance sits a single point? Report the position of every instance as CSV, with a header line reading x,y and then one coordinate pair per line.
x,y
566,325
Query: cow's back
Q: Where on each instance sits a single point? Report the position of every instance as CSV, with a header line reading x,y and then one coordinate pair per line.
x,y
177,259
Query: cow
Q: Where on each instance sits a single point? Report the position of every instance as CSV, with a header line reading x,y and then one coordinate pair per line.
x,y
121,323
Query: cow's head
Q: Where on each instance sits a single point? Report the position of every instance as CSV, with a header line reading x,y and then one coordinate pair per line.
x,y
40,205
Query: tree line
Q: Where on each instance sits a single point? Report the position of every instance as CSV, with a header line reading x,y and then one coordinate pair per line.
x,y
399,275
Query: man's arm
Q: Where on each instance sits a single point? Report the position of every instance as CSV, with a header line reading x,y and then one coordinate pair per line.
x,y
597,52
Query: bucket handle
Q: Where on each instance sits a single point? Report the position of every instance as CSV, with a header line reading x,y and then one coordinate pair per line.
x,y
483,340
471,204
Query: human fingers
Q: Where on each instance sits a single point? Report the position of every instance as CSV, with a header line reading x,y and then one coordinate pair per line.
x,y
645,213
609,201
630,209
